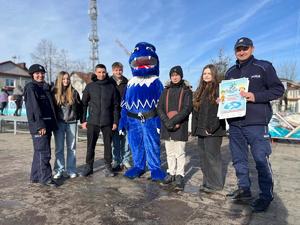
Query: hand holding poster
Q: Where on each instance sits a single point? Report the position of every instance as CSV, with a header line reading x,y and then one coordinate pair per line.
x,y
232,104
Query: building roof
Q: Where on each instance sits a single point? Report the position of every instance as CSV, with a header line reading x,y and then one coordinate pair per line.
x,y
9,68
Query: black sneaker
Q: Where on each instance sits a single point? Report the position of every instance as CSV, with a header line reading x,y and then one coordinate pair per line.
x,y
179,182
50,183
260,205
207,190
169,179
108,172
86,172
117,168
240,195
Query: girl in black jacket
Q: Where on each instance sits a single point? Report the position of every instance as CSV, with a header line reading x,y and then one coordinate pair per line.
x,y
209,129
68,109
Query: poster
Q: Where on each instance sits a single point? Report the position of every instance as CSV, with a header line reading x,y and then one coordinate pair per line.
x,y
232,104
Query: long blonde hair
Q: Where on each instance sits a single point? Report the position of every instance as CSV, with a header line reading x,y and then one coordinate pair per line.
x,y
63,95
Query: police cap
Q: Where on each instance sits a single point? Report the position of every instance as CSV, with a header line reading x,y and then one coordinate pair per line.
x,y
243,42
36,68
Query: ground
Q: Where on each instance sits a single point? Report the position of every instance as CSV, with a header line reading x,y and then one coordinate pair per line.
x,y
117,200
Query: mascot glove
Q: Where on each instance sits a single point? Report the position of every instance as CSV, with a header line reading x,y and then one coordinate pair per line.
x,y
158,130
121,133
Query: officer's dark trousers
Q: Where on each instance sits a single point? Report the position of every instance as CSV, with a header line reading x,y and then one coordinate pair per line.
x,y
92,137
255,136
211,162
41,169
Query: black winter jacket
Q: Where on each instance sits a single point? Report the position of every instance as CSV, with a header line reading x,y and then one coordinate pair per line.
x,y
120,87
103,101
206,119
39,107
168,130
70,114
263,83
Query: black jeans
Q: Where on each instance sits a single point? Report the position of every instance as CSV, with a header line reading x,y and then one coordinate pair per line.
x,y
92,137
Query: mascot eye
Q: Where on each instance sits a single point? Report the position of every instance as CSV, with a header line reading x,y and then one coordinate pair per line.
x,y
136,49
149,48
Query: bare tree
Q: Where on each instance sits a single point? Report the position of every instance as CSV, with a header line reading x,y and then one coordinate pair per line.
x,y
287,70
55,60
45,54
222,63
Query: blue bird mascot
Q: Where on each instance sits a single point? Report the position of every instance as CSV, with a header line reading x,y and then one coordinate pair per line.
x,y
138,114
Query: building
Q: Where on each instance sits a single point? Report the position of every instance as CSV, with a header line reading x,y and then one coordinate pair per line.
x,y
79,80
13,74
290,101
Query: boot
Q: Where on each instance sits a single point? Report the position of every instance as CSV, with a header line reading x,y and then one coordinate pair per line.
x,y
169,179
179,182
240,195
87,171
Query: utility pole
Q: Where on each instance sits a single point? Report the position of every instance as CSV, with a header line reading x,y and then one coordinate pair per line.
x,y
93,36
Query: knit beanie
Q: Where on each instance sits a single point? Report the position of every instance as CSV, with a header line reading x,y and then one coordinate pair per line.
x,y
176,69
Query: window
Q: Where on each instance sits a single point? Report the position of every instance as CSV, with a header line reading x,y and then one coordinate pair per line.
x,y
10,82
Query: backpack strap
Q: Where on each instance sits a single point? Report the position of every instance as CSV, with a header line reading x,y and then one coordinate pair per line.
x,y
179,103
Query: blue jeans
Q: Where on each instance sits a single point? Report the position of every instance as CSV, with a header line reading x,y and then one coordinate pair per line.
x,y
65,131
256,138
120,148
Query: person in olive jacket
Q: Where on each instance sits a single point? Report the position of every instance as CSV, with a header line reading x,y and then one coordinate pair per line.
x,y
103,101
174,107
209,129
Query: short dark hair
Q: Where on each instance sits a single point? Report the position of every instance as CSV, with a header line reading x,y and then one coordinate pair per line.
x,y
100,66
116,64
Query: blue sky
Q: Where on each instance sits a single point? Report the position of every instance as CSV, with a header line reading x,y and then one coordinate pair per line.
x,y
185,32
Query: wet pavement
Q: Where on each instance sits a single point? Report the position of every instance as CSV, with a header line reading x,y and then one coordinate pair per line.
x,y
117,200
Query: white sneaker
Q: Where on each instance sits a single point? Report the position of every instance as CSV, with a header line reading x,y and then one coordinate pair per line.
x,y
73,175
114,164
127,165
58,175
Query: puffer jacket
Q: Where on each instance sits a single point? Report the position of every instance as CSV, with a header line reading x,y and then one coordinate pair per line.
x,y
102,99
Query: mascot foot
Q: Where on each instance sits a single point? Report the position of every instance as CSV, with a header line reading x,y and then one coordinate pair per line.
x,y
158,175
134,172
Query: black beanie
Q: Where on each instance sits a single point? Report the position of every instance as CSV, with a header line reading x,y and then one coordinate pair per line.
x,y
176,69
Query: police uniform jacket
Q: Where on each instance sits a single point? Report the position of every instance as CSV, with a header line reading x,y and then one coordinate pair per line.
x,y
263,83
39,107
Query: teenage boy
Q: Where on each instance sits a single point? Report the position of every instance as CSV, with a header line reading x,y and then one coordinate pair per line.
x,y
120,151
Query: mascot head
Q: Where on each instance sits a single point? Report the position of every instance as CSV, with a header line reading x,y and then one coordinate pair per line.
x,y
143,60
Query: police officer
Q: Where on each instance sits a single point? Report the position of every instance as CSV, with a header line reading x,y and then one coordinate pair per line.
x,y
252,129
41,120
